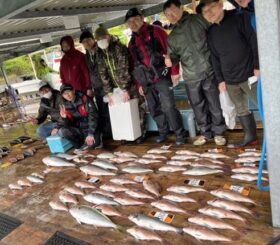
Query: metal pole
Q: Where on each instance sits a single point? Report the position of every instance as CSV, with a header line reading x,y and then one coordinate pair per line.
x,y
33,67
268,28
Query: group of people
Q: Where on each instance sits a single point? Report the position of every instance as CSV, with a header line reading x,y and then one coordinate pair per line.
x,y
217,50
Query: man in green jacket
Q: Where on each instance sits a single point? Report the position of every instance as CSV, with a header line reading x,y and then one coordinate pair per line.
x,y
187,43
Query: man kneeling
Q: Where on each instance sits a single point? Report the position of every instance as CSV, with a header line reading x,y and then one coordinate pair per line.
x,y
80,119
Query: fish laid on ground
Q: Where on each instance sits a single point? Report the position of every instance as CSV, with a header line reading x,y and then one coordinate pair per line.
x,y
54,170
152,187
57,162
158,151
202,233
105,155
247,170
91,216
142,234
35,180
178,198
205,165
136,169
66,156
24,182
67,198
84,185
74,190
152,223
80,160
127,201
122,159
171,168
211,160
113,187
122,181
41,176
178,163
154,156
57,205
96,171
185,189
138,194
250,154
108,210
220,213
99,199
147,161
202,171
15,187
104,164
231,195
228,205
104,193
247,177
210,222
125,154
183,157
214,155
187,152
247,159
168,206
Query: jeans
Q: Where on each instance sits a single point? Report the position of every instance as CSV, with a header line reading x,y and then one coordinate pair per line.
x,y
45,130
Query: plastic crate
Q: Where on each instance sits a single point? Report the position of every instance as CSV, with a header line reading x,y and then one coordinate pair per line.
x,y
58,144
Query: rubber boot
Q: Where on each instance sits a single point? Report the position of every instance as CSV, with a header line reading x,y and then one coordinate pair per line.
x,y
250,130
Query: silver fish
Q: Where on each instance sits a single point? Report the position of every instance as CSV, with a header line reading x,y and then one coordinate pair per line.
x,y
158,151
211,160
136,169
147,161
187,152
142,234
178,198
91,216
172,168
57,205
138,194
122,159
97,171
202,233
66,156
247,159
214,155
122,181
57,162
125,154
99,199
34,179
220,213
113,187
231,195
250,154
178,163
15,187
84,185
185,189
24,182
154,156
152,187
152,223
104,164
80,160
210,222
108,210
105,155
205,165
127,201
202,171
67,198
183,157
247,170
41,176
104,193
247,177
228,205
74,190
168,206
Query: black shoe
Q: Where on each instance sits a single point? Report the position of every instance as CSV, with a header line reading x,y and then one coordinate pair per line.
x,y
140,140
161,138
181,140
250,130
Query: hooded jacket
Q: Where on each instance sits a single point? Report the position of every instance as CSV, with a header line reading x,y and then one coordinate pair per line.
x,y
73,67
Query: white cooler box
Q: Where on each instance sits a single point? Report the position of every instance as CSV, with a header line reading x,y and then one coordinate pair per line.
x,y
125,120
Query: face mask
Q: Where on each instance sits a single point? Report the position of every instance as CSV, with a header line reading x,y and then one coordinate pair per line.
x,y
47,95
103,44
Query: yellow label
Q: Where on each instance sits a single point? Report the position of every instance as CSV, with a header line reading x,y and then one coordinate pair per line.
x,y
238,188
162,216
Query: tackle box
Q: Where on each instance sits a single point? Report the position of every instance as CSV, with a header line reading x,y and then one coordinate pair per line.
x,y
58,144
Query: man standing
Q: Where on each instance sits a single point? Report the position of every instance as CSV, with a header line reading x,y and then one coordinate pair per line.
x,y
147,46
90,45
49,106
234,53
187,44
73,67
114,69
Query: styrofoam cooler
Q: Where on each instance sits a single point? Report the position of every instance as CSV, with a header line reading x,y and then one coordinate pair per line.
x,y
125,120
58,144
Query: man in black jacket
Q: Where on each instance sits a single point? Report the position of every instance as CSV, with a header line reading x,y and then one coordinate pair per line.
x,y
89,43
234,53
49,106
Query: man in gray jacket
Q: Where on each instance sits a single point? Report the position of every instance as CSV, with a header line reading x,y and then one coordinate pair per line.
x,y
187,44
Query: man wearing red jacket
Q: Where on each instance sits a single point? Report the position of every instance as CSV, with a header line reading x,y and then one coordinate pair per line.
x,y
147,46
73,67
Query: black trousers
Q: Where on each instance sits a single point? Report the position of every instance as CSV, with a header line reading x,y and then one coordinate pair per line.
x,y
204,99
161,104
104,123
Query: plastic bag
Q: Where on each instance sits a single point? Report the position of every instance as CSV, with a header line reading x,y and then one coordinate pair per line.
x,y
117,96
229,111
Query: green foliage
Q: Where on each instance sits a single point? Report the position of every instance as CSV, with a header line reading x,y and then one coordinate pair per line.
x,y
18,66
119,32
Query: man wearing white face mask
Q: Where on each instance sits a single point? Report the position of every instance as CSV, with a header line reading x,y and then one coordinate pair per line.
x,y
49,106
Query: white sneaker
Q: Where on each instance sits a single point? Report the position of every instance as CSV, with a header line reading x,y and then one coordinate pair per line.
x,y
220,140
201,140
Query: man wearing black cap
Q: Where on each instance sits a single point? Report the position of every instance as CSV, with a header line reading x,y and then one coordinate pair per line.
x,y
49,106
234,53
89,43
147,46
80,118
